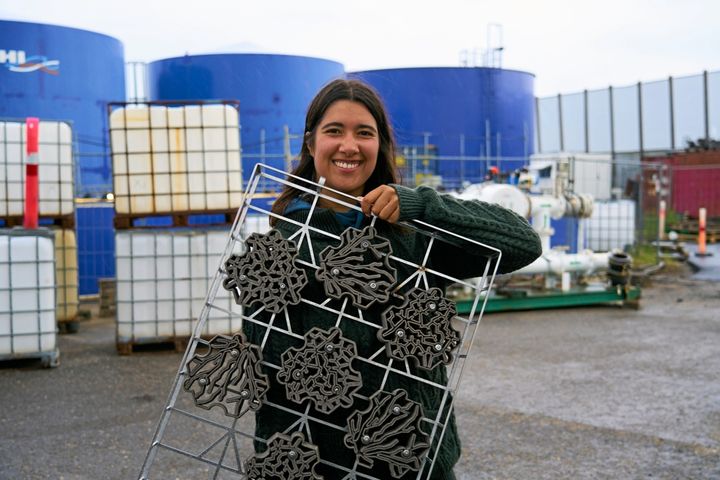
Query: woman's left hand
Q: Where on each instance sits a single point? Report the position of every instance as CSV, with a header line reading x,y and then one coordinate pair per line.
x,y
383,202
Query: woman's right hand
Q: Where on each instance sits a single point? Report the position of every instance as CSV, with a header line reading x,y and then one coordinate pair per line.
x,y
382,202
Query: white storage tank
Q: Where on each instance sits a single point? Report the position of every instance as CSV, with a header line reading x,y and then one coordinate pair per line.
x,y
163,278
27,295
175,159
66,274
612,225
55,172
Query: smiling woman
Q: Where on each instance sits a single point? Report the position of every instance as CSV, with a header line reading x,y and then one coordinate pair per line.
x,y
348,142
345,147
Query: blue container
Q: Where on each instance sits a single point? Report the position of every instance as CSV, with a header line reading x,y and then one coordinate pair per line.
x,y
61,73
274,91
566,234
486,113
96,244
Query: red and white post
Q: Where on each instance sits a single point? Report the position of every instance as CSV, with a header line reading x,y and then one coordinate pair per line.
x,y
32,199
661,220
702,239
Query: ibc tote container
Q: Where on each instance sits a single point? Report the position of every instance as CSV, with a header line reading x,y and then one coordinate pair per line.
x,y
27,295
612,225
274,92
55,173
163,278
175,159
66,275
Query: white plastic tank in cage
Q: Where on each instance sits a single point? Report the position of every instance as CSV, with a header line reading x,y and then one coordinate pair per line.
x,y
256,224
612,225
175,158
66,274
163,277
27,295
55,172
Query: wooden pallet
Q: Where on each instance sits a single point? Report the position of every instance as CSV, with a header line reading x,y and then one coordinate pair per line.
x,y
688,228
64,221
710,237
107,297
124,221
175,344
694,226
46,359
107,310
69,325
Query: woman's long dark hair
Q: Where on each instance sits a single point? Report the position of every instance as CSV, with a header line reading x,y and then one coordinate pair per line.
x,y
355,91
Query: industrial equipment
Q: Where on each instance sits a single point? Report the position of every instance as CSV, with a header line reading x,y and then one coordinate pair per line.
x,y
567,279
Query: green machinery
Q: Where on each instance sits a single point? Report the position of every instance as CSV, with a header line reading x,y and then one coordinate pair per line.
x,y
528,299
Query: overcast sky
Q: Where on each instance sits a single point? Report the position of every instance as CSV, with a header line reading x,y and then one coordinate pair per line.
x,y
570,45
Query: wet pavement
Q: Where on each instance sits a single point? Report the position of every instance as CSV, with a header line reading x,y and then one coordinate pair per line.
x,y
707,265
595,392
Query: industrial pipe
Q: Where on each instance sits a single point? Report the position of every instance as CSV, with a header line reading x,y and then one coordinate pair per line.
x,y
558,262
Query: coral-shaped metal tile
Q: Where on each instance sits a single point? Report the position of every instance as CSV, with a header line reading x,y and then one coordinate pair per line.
x,y
389,431
228,375
321,370
266,273
358,268
288,457
421,329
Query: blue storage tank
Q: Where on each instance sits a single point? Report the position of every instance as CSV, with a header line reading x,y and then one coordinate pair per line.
x,y
274,91
475,112
62,73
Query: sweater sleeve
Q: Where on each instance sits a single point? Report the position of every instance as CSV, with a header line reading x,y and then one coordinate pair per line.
x,y
484,222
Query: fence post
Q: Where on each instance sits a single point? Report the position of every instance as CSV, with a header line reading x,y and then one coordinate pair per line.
x,y
487,144
661,220
462,160
560,122
671,99
538,125
286,148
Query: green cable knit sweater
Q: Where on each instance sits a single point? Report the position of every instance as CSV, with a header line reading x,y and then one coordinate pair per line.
x,y
489,224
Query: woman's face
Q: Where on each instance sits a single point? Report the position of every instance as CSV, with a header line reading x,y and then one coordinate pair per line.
x,y
345,147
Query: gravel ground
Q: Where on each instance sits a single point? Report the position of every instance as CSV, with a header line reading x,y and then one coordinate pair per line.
x,y
596,392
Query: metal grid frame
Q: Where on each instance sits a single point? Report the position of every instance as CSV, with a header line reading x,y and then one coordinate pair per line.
x,y
9,289
205,442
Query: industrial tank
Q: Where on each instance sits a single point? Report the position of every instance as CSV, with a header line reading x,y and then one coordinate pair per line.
x,y
484,113
62,73
274,92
